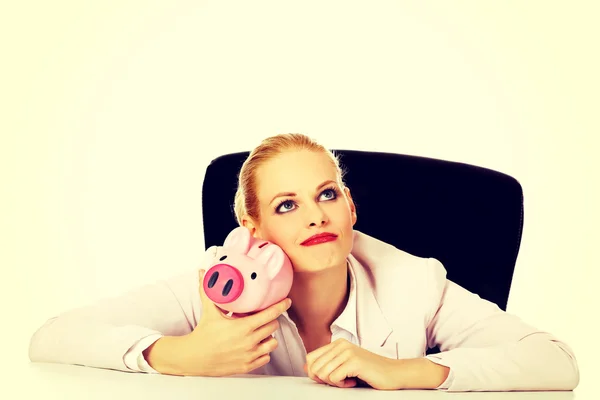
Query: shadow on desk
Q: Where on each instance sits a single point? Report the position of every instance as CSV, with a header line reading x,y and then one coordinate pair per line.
x,y
59,381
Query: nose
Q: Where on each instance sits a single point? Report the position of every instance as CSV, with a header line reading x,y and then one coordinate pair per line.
x,y
316,216
224,284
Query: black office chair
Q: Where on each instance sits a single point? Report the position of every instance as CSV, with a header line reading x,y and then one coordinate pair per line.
x,y
469,218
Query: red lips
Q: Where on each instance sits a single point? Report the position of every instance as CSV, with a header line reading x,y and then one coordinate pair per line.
x,y
319,238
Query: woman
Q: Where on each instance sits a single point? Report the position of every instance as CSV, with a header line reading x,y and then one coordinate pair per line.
x,y
360,311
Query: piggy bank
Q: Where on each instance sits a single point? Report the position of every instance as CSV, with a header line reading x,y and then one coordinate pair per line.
x,y
249,275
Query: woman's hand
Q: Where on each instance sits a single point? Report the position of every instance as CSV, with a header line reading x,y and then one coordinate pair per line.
x,y
219,345
342,364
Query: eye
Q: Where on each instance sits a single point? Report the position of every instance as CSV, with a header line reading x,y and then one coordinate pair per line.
x,y
285,205
331,192
253,276
222,258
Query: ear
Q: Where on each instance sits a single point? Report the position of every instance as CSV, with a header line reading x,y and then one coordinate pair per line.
x,y
352,205
252,227
238,240
272,257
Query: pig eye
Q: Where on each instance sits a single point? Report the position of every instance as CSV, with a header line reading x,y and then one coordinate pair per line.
x,y
253,276
263,245
222,258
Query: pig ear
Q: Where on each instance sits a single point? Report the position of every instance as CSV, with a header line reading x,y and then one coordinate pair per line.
x,y
209,257
272,258
238,240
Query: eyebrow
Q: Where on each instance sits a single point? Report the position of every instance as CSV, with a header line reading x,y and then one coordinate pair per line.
x,y
292,194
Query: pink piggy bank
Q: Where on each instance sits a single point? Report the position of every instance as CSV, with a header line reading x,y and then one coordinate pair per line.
x,y
250,274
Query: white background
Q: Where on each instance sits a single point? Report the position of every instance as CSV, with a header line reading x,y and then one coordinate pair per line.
x,y
112,110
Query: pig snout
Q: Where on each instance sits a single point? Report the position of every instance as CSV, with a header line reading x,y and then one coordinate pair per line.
x,y
223,283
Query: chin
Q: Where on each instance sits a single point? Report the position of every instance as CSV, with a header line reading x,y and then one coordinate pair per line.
x,y
316,266
312,269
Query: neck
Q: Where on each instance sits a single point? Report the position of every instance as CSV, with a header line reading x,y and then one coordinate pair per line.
x,y
318,298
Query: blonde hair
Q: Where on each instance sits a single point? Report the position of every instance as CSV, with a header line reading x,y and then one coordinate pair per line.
x,y
246,197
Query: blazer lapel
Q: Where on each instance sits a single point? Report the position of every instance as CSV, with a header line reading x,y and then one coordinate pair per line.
x,y
391,280
372,327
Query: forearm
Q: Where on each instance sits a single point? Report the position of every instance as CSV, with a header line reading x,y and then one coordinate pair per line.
x,y
85,341
164,355
420,373
533,363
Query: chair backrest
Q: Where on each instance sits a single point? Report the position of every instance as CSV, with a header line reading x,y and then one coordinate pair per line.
x,y
470,218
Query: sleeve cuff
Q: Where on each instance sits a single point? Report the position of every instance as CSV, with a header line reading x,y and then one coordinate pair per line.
x,y
134,358
448,382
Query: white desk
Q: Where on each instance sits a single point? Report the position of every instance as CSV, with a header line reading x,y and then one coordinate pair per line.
x,y
57,381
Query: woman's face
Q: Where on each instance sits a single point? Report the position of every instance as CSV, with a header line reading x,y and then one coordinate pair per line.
x,y
299,196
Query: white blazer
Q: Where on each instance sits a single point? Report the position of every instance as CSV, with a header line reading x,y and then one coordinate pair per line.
x,y
399,305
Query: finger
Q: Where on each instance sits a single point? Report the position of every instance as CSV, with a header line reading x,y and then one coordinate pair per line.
x,y
315,354
264,331
332,350
264,347
325,365
268,314
348,383
344,375
257,363
318,358
313,376
316,367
